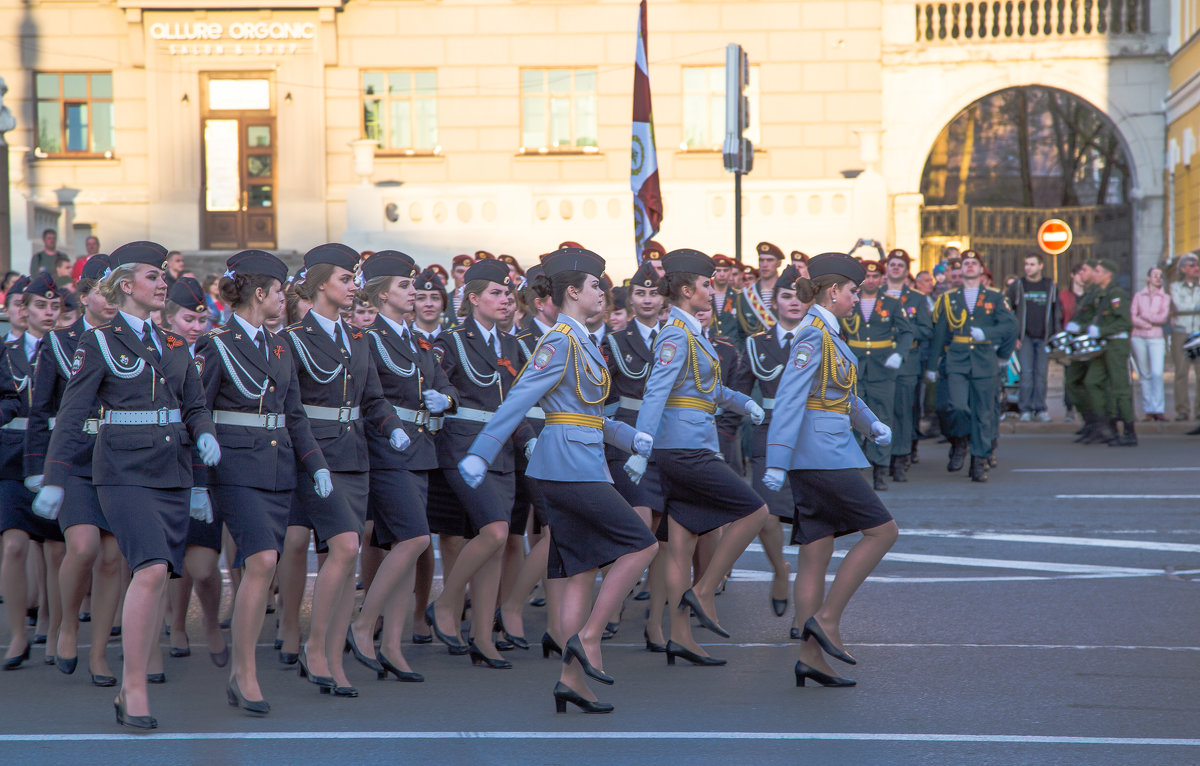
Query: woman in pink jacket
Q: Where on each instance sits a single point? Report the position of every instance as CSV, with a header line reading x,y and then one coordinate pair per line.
x,y
1150,310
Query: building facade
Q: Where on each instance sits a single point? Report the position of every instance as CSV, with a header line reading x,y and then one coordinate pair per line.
x,y
1182,223
504,125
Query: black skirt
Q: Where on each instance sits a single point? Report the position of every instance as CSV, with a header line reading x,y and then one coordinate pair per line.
x,y
257,518
833,502
207,534
647,493
81,505
528,500
488,503
150,525
591,525
16,512
779,503
443,511
701,491
345,510
397,506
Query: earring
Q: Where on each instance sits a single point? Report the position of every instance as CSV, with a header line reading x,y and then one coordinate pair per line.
x,y
833,300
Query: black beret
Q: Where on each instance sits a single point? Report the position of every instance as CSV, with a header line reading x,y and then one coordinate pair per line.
x,y
256,262
149,253
645,276
18,287
95,267
489,269
429,280
788,277
333,253
42,286
389,263
573,259
188,293
686,261
836,263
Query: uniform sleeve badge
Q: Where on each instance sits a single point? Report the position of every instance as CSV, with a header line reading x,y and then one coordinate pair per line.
x,y
802,356
666,353
198,360
278,351
173,342
439,354
77,360
543,356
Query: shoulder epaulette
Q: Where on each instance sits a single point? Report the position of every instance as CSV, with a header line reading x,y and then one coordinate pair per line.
x,y
214,332
562,327
294,326
677,322
818,323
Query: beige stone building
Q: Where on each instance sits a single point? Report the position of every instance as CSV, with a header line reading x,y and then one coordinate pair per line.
x,y
1183,125
504,125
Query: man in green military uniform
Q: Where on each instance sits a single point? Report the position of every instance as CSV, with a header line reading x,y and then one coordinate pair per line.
x,y
754,312
1109,393
879,335
969,324
725,298
1074,374
915,309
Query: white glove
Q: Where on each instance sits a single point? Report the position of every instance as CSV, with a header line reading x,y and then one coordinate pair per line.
x,y
210,451
322,483
635,468
1072,328
399,440
893,362
48,501
643,444
435,401
200,507
977,335
755,413
880,433
473,468
773,479
529,445
1003,364
931,376
33,483
1093,331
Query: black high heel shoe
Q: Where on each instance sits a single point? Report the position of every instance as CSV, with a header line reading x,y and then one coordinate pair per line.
x,y
345,691
479,658
288,658
417,638
184,652
824,679
564,694
278,644
651,646
449,641
221,658
677,650
401,675
689,600
549,645
794,633
325,683
156,678
258,707
813,628
67,665
517,642
370,662
12,663
103,681
779,606
574,648
135,721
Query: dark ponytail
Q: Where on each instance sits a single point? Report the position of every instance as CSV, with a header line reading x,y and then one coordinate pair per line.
x,y
239,290
807,289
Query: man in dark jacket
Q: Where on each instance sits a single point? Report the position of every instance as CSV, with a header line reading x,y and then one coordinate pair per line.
x,y
1034,301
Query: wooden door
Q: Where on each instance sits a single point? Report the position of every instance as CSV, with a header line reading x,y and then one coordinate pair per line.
x,y
238,163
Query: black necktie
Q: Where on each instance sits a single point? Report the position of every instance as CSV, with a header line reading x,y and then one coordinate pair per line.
x,y
148,339
261,341
787,340
341,342
653,335
495,344
594,339
406,339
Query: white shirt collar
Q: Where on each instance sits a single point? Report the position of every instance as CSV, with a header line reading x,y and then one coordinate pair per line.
x,y
599,332
545,328
137,324
828,318
399,328
693,324
250,329
487,335
31,344
579,328
430,334
10,337
780,332
87,325
645,331
328,325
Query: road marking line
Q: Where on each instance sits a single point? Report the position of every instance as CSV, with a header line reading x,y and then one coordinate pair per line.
x,y
1029,739
757,575
1127,497
1097,542
1036,566
1103,470
878,645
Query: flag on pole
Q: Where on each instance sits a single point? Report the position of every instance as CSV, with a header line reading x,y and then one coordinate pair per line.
x,y
643,176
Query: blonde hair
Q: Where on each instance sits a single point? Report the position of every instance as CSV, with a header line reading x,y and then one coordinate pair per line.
x,y
375,287
314,276
110,285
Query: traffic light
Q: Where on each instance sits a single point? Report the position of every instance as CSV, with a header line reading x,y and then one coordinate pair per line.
x,y
737,151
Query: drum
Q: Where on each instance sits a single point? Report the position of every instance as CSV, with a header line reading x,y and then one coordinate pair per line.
x,y
1084,348
1192,346
1058,346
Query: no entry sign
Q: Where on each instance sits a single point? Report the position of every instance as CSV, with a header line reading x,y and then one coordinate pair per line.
x,y
1054,236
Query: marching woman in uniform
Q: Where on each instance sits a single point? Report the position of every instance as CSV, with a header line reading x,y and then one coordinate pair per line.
x,y
252,388
591,525
186,314
416,388
701,491
342,398
82,521
811,444
478,359
153,408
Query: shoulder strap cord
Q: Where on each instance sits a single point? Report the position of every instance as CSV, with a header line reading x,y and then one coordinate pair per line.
x,y
125,372
314,370
617,357
474,375
759,371
228,360
386,358
60,356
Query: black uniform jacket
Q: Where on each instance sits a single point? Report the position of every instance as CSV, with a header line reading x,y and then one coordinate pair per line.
x,y
239,377
51,375
16,380
112,365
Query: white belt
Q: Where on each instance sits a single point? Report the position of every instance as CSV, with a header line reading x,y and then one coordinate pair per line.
x,y
768,404
419,417
141,417
340,414
16,424
1118,336
90,426
537,413
629,403
269,420
473,415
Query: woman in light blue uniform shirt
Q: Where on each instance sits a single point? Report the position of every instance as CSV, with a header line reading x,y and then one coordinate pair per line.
x,y
701,491
811,442
591,525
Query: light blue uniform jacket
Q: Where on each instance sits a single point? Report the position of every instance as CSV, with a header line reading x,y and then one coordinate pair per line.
x,y
562,360
672,375
803,438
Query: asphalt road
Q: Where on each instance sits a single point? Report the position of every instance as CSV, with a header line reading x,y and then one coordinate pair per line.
x,y
1047,617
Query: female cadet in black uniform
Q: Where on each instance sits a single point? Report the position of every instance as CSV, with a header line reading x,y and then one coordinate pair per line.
x,y
21,528
142,464
253,391
811,443
415,386
88,537
480,362
339,388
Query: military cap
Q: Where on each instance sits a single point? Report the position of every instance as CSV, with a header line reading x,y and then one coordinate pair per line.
x,y
389,263
838,264
788,277
767,248
798,257
687,261
462,259
723,261
491,270
968,254
901,254
440,271
484,255
333,253
95,267
573,259
149,253
188,293
653,251
261,262
42,286
645,276
429,280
